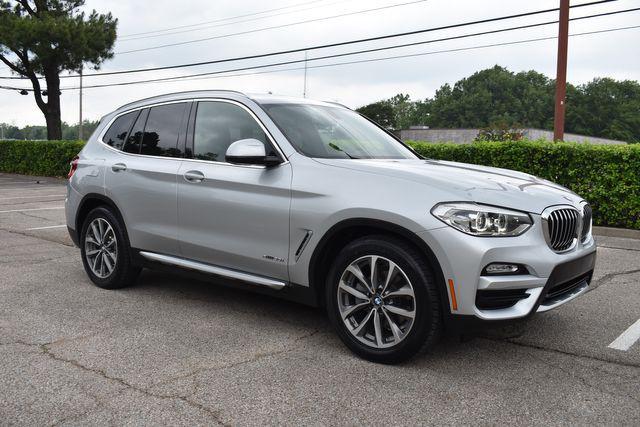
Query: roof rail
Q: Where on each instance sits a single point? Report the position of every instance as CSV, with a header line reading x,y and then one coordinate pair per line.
x,y
338,104
177,93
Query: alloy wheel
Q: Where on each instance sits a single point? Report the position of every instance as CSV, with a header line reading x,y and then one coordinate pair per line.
x,y
101,248
376,301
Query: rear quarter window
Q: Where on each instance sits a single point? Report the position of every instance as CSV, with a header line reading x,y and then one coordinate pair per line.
x,y
116,135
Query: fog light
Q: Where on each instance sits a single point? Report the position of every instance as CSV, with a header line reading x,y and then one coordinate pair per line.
x,y
496,268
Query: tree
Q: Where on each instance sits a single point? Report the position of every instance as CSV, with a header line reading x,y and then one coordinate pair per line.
x,y
501,101
495,95
605,107
380,112
393,113
69,132
403,110
47,37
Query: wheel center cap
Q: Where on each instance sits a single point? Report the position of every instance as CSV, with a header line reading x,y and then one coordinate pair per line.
x,y
377,301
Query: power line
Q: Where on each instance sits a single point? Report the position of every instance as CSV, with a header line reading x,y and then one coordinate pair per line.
x,y
173,78
387,58
224,19
411,55
372,49
273,27
132,38
331,45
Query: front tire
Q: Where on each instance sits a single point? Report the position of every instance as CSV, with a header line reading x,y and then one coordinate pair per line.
x,y
382,299
105,250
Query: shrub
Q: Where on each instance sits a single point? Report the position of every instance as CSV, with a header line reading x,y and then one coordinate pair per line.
x,y
608,176
45,158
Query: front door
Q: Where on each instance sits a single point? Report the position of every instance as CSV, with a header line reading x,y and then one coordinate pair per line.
x,y
233,216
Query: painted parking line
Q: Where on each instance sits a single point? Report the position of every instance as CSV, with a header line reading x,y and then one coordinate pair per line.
x,y
32,197
19,182
22,188
47,227
11,192
33,209
627,338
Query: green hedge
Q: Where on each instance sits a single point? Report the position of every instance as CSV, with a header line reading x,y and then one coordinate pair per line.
x,y
44,158
608,176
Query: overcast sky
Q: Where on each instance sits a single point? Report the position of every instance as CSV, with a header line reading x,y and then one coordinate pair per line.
x,y
613,54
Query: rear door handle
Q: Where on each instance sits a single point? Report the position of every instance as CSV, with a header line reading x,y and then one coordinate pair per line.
x,y
194,176
119,167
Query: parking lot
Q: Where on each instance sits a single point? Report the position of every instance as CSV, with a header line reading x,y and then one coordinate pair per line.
x,y
177,351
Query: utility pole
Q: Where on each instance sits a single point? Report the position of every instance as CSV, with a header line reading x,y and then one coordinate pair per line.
x,y
561,74
304,88
80,121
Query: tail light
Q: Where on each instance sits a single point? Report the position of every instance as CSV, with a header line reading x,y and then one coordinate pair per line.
x,y
73,166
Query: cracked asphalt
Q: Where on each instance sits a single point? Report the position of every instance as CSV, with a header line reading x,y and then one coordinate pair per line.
x,y
177,351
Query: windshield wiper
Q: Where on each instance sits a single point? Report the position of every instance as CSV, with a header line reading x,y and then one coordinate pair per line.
x,y
335,147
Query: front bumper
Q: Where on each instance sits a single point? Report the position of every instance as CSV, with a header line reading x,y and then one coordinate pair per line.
x,y
552,279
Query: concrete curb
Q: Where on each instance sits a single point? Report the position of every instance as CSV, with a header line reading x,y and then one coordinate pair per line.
x,y
34,178
616,232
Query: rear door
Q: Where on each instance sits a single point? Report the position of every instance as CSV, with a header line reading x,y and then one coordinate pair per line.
x,y
235,216
142,178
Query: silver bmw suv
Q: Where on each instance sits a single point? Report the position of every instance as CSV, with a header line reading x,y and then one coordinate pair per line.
x,y
313,202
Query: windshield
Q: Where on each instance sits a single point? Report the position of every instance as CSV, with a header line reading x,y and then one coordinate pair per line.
x,y
334,133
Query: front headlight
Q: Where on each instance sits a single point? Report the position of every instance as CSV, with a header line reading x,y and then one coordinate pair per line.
x,y
482,220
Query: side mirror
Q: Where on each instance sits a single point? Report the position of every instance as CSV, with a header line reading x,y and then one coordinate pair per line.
x,y
250,152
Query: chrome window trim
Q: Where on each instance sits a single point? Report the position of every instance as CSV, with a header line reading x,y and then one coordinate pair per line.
x,y
229,101
545,226
113,119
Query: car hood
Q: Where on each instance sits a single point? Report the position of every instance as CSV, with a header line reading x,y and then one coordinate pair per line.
x,y
467,182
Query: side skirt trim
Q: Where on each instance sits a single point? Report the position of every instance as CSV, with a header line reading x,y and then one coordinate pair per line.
x,y
212,269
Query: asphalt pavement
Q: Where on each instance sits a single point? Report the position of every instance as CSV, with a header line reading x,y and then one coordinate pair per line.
x,y
173,350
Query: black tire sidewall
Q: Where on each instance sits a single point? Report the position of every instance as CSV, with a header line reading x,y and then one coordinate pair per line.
x,y
425,329
123,260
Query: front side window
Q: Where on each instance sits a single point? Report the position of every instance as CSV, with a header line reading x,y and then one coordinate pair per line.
x,y
218,125
117,133
334,132
162,130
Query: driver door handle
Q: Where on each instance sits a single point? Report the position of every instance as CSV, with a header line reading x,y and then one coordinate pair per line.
x,y
194,176
119,167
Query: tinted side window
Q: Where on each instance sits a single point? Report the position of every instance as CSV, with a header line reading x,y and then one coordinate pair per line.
x,y
135,136
162,130
218,125
117,132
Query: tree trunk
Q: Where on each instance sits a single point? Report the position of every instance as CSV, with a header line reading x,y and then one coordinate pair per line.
x,y
54,123
52,110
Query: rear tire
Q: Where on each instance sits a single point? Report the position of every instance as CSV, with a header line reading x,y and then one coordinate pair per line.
x,y
105,250
395,318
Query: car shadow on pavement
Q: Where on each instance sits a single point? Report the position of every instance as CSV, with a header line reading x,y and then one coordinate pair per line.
x,y
216,294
